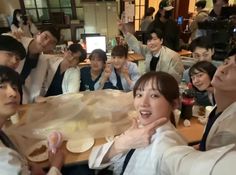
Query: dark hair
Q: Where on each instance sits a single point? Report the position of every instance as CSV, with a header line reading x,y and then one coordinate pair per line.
x,y
165,84
225,1
54,31
100,54
201,4
202,66
9,75
10,44
14,20
203,42
120,51
157,31
74,48
149,12
232,52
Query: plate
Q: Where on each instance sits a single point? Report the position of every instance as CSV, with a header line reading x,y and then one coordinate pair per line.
x,y
79,146
38,152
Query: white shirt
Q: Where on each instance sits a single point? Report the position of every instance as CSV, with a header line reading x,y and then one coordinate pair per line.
x,y
144,160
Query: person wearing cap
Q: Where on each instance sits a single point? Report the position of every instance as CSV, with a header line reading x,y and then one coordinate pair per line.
x,y
167,25
11,52
202,14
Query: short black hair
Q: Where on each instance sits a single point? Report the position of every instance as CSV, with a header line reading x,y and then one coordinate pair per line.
x,y
9,75
10,44
54,31
120,50
232,52
201,4
100,53
202,66
150,11
157,31
203,42
74,48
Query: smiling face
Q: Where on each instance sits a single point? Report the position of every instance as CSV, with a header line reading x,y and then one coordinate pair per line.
x,y
201,80
224,78
9,59
151,104
73,58
118,61
97,63
154,44
45,41
9,99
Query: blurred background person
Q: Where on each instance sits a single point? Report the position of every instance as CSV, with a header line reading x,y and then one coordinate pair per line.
x,y
202,14
22,25
167,25
147,19
217,6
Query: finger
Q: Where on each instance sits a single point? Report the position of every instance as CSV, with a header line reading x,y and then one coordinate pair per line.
x,y
134,123
156,123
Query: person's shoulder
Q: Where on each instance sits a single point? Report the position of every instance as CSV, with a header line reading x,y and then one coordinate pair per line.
x,y
85,70
169,51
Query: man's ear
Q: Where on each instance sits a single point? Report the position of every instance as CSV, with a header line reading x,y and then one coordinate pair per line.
x,y
68,55
161,41
213,51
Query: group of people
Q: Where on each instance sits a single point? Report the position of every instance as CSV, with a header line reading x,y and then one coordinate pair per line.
x,y
152,145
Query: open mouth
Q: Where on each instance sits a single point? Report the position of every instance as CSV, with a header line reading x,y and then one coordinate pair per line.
x,y
145,114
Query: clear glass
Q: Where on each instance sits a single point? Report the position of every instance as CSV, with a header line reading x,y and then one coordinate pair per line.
x,y
41,3
54,3
80,13
65,3
67,11
29,3
77,2
55,10
32,14
43,14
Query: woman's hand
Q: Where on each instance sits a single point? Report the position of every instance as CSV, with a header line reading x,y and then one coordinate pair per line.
x,y
134,137
57,159
125,70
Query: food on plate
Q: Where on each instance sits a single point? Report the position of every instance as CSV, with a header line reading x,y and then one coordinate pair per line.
x,y
38,152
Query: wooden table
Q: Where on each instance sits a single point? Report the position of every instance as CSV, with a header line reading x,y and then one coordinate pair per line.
x,y
192,134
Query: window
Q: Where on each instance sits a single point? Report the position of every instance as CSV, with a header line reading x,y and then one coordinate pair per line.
x,y
41,10
139,13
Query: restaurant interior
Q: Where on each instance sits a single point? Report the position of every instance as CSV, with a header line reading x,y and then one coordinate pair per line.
x,y
98,117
